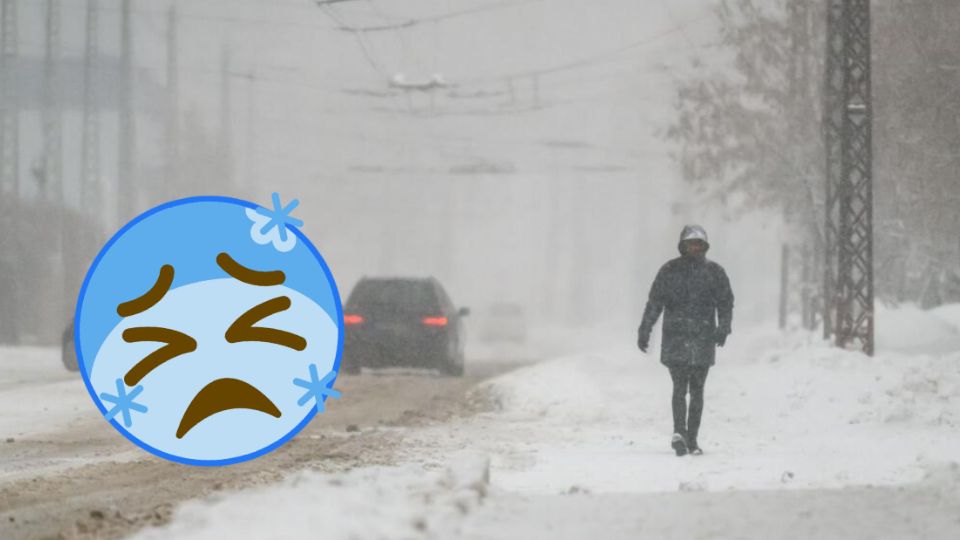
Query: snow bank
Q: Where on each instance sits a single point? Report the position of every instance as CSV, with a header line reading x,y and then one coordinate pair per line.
x,y
582,388
909,329
949,313
944,478
889,388
782,411
369,503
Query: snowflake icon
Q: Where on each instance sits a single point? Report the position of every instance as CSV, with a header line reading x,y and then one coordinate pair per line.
x,y
270,226
317,388
124,402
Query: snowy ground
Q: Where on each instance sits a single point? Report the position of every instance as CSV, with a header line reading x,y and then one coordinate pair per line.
x,y
29,374
799,438
780,412
39,399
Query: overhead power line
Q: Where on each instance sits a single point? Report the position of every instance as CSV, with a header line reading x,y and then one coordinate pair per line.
x,y
364,47
140,11
596,59
435,18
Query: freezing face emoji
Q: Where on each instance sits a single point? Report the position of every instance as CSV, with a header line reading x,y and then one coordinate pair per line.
x,y
208,330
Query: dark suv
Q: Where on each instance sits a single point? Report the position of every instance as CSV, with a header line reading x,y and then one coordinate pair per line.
x,y
402,322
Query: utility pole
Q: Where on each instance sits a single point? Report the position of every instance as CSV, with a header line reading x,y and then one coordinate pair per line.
x,y
832,137
536,90
90,157
126,170
803,214
252,175
52,112
226,141
172,159
784,285
53,152
9,163
806,271
853,190
9,104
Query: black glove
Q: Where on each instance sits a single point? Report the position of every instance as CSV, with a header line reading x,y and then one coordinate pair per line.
x,y
643,343
721,337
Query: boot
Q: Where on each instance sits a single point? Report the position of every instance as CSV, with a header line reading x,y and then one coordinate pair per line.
x,y
679,444
693,448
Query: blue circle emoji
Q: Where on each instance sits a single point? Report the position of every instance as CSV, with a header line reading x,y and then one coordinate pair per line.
x,y
209,330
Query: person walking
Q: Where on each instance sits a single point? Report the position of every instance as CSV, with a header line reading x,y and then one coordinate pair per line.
x,y
695,297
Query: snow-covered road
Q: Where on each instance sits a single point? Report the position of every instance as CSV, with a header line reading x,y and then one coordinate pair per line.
x,y
65,473
46,423
30,377
799,438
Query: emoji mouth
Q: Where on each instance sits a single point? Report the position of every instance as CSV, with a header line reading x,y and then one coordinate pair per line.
x,y
222,395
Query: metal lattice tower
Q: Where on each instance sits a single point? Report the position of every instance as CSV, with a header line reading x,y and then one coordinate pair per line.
x,y
52,118
90,158
9,106
853,191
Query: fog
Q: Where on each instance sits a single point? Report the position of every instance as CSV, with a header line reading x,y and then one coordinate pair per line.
x,y
537,174
539,158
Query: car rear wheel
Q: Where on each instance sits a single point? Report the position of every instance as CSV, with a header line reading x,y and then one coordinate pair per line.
x,y
453,366
453,369
69,358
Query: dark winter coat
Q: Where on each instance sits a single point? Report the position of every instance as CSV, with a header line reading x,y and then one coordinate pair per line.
x,y
695,296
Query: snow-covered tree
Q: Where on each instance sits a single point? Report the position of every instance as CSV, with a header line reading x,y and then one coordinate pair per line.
x,y
748,123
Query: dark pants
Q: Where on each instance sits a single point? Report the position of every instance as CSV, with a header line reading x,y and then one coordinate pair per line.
x,y
692,379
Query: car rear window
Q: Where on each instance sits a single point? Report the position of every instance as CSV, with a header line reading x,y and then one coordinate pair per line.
x,y
393,296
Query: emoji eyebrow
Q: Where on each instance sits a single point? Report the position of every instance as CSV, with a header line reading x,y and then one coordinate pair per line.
x,y
177,343
246,275
151,297
243,330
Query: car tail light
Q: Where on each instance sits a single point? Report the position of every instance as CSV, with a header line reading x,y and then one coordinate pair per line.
x,y
435,321
353,319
